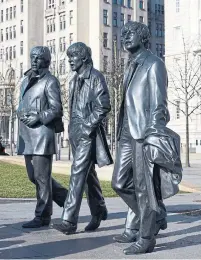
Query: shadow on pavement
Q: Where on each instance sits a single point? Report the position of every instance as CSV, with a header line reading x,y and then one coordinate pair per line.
x,y
57,248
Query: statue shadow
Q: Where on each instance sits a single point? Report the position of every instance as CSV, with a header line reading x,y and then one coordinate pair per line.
x,y
57,248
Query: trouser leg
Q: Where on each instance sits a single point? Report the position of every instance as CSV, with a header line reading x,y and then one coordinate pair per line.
x,y
42,173
94,193
79,172
59,193
147,215
122,179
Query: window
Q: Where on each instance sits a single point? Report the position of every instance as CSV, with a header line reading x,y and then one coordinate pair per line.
x,y
115,19
71,17
105,17
121,2
129,3
14,52
6,14
105,40
122,20
22,6
48,25
7,53
62,44
70,38
21,70
7,33
177,109
53,67
62,20
105,63
177,6
53,25
1,15
11,33
51,4
21,26
53,46
129,17
14,12
7,97
11,13
14,31
21,48
141,19
62,67
10,53
141,4
1,35
114,2
196,142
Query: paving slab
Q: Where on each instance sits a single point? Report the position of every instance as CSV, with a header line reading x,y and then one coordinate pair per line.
x,y
181,240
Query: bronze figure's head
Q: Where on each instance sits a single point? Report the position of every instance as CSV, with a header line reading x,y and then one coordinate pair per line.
x,y
79,55
135,36
40,57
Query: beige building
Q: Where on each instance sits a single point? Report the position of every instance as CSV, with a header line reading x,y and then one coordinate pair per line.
x,y
97,23
21,28
94,22
183,29
57,24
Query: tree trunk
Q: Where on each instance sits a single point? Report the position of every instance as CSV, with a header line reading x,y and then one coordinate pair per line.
x,y
187,161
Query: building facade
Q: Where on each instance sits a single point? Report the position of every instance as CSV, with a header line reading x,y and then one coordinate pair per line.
x,y
182,41
156,26
59,23
21,28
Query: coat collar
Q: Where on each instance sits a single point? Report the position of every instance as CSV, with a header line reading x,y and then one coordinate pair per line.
x,y
32,74
140,58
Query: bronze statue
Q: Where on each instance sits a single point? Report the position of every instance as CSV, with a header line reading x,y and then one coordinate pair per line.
x,y
40,117
89,106
147,167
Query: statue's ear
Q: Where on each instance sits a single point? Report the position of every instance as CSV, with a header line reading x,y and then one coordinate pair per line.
x,y
84,59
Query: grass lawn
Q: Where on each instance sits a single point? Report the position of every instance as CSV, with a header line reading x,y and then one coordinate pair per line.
x,y
14,182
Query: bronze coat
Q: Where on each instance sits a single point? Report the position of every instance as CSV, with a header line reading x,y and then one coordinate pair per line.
x,y
92,109
42,97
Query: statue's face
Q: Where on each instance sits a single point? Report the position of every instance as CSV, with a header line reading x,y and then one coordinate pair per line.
x,y
75,61
132,40
37,62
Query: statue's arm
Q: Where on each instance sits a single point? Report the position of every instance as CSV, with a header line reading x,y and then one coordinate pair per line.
x,y
157,80
55,109
101,106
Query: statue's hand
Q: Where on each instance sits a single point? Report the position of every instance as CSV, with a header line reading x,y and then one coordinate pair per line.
x,y
30,119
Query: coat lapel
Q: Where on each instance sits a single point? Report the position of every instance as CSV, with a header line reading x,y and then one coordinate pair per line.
x,y
71,91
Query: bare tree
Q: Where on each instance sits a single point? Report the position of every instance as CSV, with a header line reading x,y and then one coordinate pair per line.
x,y
185,85
8,102
59,69
114,76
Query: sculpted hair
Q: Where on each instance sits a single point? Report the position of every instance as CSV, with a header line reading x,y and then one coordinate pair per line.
x,y
82,50
141,29
43,52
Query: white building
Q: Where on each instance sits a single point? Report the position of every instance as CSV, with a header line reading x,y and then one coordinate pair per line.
x,y
183,28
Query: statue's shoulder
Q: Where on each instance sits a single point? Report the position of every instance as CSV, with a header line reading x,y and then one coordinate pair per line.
x,y
152,58
97,75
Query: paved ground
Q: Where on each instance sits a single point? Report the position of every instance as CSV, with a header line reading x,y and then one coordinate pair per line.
x,y
181,240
